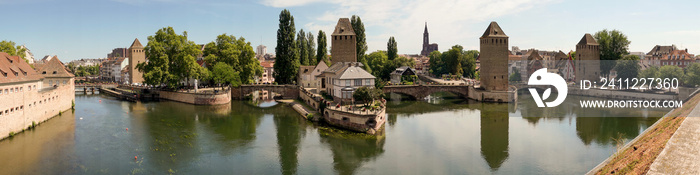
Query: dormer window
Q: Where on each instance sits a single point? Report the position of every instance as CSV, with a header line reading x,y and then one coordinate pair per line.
x,y
54,72
44,72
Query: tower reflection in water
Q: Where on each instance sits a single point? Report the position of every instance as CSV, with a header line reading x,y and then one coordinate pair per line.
x,y
494,134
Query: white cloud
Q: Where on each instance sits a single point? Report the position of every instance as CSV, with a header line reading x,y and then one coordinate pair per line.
x,y
450,22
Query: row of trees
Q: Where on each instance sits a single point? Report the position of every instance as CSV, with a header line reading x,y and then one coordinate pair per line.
x,y
688,76
292,52
82,71
172,59
455,61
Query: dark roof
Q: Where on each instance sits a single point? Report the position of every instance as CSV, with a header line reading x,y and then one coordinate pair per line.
x,y
533,55
54,68
9,65
403,69
136,44
661,50
588,40
343,27
494,31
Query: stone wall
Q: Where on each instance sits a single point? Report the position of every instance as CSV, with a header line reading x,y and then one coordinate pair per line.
x,y
197,98
287,91
492,96
620,95
310,99
355,122
32,105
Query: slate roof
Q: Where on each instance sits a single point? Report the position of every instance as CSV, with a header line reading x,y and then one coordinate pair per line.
x,y
9,65
661,50
343,27
588,40
354,72
494,31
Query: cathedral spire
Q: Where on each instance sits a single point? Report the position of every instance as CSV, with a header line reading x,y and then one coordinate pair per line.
x,y
426,27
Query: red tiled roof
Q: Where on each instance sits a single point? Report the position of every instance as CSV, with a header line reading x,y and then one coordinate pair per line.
x,y
9,65
54,68
267,64
678,55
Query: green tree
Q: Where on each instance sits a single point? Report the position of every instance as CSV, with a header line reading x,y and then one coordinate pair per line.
x,y
468,62
287,61
12,50
302,45
515,76
392,51
366,95
223,73
628,67
171,59
436,63
311,46
322,50
380,64
237,53
650,72
613,46
692,75
71,67
670,72
360,38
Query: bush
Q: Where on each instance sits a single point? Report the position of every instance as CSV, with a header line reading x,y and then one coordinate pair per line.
x,y
309,116
12,134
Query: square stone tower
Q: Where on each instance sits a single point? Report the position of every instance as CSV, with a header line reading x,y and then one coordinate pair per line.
x,y
137,55
494,59
343,42
587,65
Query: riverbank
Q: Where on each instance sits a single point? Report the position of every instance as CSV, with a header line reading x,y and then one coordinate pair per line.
x,y
637,156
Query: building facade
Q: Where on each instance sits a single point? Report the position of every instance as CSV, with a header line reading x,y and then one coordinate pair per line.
x,y
32,96
655,55
680,58
494,59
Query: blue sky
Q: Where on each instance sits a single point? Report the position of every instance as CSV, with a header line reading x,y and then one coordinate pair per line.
x,y
91,28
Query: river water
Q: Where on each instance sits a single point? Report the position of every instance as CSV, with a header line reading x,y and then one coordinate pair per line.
x,y
443,136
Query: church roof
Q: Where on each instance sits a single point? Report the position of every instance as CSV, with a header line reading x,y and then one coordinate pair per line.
x,y
136,44
588,40
343,27
426,28
494,31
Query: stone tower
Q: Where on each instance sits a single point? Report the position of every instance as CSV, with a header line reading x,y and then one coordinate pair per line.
x,y
587,59
494,59
343,45
137,56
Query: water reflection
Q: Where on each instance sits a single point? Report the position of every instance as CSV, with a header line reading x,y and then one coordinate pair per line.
x,y
290,130
494,134
351,152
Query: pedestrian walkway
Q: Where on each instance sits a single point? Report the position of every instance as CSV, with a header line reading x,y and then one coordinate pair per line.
x,y
682,152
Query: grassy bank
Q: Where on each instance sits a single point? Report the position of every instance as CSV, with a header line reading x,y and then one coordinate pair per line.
x,y
638,156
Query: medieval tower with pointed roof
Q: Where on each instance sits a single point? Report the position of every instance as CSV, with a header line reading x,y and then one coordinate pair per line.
x,y
137,55
494,59
343,44
587,59
427,47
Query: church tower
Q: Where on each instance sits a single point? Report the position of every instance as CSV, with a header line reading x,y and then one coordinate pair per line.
x,y
494,59
587,59
426,37
137,55
343,43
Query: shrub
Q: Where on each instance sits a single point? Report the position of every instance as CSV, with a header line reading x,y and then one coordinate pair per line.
x,y
309,116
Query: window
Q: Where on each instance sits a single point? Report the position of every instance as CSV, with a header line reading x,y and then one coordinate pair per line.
x,y
12,90
21,89
368,82
358,82
347,83
50,82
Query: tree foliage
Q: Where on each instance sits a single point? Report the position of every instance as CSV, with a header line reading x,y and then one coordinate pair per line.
x,y
692,75
322,50
392,51
650,72
82,71
171,59
302,47
382,67
287,57
10,48
367,95
670,72
223,73
613,46
627,67
237,53
360,38
311,50
455,61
